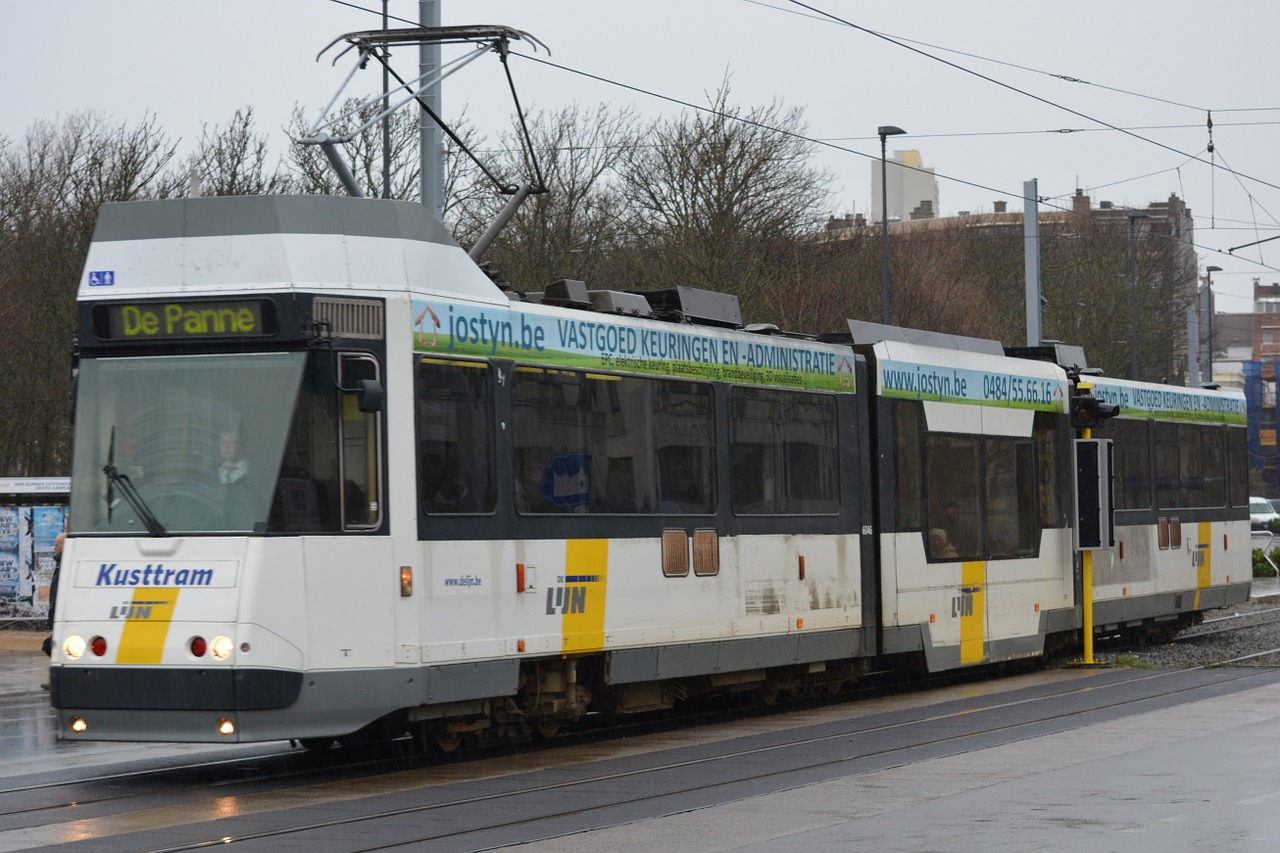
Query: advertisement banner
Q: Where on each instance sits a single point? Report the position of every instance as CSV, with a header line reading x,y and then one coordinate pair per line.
x,y
27,536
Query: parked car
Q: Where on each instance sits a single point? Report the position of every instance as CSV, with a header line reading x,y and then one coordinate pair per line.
x,y
1261,513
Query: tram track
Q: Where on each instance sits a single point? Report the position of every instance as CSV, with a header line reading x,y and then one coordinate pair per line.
x,y
1229,624
894,756
852,745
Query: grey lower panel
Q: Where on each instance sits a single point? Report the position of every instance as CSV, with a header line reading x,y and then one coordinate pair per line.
x,y
907,639
462,681
1166,604
329,703
1063,619
627,666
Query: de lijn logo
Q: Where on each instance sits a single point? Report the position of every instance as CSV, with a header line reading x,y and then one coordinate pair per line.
x,y
962,604
571,597
132,610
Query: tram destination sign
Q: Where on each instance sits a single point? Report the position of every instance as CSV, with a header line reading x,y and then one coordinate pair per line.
x,y
183,320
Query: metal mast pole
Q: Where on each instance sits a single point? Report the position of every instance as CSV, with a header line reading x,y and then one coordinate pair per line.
x,y
386,120
431,153
1031,257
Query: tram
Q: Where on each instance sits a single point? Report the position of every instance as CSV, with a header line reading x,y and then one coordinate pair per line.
x,y
331,481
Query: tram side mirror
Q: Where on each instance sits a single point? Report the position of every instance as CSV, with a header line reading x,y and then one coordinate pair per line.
x,y
369,397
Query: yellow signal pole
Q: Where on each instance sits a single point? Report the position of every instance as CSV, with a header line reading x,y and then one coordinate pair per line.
x,y
1086,583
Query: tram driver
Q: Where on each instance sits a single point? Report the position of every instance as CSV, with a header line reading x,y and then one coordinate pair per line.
x,y
233,474
234,465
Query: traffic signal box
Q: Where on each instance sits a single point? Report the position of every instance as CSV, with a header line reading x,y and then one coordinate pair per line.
x,y
1094,503
1094,498
1088,412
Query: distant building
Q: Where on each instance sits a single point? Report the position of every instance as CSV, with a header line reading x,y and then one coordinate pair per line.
x,y
1248,346
912,190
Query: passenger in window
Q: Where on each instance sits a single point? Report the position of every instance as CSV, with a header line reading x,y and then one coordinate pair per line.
x,y
940,547
529,493
454,493
958,533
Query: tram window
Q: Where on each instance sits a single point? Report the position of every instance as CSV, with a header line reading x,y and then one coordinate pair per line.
x,y
1201,481
906,455
608,444
1215,466
455,436
1238,465
1190,466
784,450
1051,453
953,472
1168,466
1132,463
982,496
684,434
1010,502
361,504
307,494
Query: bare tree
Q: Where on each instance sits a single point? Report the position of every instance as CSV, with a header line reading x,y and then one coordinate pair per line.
x,y
573,228
718,198
51,186
232,160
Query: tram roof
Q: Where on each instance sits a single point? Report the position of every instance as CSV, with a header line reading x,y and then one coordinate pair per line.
x,y
864,332
215,244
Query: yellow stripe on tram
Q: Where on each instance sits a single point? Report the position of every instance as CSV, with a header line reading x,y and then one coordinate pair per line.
x,y
973,611
147,625
581,598
1204,561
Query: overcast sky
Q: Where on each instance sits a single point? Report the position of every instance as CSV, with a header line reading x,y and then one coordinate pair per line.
x,y
944,71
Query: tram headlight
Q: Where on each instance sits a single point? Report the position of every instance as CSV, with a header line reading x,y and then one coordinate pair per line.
x,y
222,647
225,727
78,725
73,647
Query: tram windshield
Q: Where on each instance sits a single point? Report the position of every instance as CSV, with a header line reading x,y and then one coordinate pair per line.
x,y
194,441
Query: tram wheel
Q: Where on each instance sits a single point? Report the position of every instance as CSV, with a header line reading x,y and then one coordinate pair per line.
x,y
547,728
447,741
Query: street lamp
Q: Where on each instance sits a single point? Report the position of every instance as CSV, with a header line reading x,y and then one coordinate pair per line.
x,y
1208,288
1134,216
885,131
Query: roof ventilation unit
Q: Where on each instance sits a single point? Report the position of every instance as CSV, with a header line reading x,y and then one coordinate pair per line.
x,y
704,307
617,302
567,292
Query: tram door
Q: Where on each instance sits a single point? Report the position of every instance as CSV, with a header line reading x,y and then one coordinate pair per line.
x,y
348,576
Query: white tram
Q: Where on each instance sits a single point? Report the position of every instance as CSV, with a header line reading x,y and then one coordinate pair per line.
x,y
330,480
1182,544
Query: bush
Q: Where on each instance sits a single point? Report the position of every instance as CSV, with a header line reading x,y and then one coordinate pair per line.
x,y
1261,568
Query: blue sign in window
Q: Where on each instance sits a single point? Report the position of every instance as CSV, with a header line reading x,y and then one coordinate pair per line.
x,y
102,278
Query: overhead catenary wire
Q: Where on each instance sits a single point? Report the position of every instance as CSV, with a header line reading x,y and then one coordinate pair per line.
x,y
874,157
1047,201
1019,91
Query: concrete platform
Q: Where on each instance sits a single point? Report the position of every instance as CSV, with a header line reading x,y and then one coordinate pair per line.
x,y
23,666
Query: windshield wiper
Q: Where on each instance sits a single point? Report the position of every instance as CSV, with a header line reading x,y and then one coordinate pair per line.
x,y
115,478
